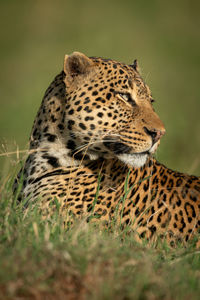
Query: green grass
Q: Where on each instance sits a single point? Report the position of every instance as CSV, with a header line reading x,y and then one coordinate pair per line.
x,y
41,259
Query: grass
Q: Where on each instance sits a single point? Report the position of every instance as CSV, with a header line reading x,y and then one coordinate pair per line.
x,y
40,259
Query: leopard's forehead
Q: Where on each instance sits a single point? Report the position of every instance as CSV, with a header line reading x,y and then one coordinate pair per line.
x,y
120,75
118,68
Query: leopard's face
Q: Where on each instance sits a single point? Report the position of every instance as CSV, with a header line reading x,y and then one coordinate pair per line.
x,y
109,110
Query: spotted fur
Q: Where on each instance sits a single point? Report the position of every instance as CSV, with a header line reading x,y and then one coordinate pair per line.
x,y
94,135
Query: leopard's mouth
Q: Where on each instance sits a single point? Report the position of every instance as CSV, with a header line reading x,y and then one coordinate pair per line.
x,y
142,153
125,152
119,148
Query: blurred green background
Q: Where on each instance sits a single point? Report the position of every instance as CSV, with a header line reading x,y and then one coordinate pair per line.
x,y
163,35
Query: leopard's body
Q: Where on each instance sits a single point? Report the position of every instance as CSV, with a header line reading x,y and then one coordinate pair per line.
x,y
93,139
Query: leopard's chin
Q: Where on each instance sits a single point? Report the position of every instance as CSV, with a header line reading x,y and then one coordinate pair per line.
x,y
135,160
138,160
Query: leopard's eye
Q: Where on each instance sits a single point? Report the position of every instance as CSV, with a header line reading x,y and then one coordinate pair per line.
x,y
124,96
127,98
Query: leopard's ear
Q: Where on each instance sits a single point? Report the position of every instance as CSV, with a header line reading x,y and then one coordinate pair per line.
x,y
135,65
76,64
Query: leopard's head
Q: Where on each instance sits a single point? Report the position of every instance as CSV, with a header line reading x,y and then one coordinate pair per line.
x,y
109,110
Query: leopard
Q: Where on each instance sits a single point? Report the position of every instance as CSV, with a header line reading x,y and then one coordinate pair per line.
x,y
91,151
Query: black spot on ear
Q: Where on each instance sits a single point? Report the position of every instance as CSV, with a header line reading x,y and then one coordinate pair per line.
x,y
135,65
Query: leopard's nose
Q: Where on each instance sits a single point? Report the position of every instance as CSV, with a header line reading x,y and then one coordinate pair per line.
x,y
155,134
